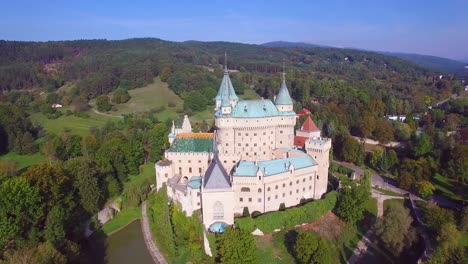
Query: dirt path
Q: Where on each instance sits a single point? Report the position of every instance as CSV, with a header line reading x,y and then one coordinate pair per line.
x,y
104,114
153,250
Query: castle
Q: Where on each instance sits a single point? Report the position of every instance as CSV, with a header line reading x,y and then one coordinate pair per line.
x,y
253,159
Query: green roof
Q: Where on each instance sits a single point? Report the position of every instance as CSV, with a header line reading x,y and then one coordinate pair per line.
x,y
226,89
272,167
283,97
191,145
255,109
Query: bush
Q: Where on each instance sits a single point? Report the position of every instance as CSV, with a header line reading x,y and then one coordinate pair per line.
x,y
256,213
290,217
246,212
171,104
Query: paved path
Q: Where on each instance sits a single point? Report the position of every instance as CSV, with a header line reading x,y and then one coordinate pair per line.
x,y
369,238
153,250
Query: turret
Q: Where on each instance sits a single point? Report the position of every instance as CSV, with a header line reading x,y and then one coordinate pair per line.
x,y
283,100
226,96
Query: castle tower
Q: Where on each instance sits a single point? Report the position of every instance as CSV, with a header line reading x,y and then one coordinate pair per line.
x,y
186,126
319,149
226,97
283,100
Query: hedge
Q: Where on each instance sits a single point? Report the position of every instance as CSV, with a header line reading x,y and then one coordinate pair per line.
x,y
290,217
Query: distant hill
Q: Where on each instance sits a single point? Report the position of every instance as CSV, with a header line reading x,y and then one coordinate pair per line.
x,y
291,44
433,62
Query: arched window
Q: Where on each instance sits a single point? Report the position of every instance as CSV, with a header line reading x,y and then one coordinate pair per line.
x,y
245,189
218,210
259,190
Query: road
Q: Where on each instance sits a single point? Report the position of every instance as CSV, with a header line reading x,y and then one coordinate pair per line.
x,y
152,248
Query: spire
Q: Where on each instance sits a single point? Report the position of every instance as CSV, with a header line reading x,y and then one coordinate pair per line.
x,y
284,72
186,126
226,92
283,97
225,62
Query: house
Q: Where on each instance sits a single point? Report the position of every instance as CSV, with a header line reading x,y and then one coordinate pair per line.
x,y
303,111
56,105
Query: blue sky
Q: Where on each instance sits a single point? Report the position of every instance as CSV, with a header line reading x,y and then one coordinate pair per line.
x,y
426,27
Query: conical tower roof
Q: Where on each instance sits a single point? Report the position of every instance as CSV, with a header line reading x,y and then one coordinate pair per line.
x,y
226,90
283,97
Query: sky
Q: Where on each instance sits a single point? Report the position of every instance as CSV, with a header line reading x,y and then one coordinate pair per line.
x,y
438,28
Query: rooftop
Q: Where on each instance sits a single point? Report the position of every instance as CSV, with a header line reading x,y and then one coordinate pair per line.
x,y
216,176
272,167
195,182
255,109
192,142
309,125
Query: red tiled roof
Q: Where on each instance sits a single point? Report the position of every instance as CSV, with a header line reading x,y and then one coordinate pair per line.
x,y
299,141
309,125
303,111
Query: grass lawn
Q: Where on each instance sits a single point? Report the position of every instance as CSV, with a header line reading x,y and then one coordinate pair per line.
x,y
386,192
75,125
147,172
464,239
387,203
121,219
24,161
445,187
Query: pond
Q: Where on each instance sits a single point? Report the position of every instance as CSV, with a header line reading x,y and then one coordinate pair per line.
x,y
123,247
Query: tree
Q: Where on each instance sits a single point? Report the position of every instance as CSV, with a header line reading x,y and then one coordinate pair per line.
x,y
464,220
103,103
425,189
237,246
47,253
384,131
7,168
21,207
54,185
165,74
158,141
54,230
395,229
352,150
309,248
352,201
86,181
194,101
120,96
436,217
423,145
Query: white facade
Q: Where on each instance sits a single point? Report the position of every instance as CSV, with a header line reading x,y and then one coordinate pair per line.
x,y
249,162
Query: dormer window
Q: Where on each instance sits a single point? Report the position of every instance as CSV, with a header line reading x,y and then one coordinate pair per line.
x,y
245,108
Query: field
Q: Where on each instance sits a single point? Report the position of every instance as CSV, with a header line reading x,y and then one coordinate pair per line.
x,y
72,124
155,96
24,161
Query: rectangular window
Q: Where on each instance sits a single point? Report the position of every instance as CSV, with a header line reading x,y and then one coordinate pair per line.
x,y
255,134
199,170
264,133
259,200
268,198
250,199
241,199
190,170
239,134
317,177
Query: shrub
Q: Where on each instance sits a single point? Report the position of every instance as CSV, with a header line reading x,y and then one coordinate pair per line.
x,y
171,104
246,212
256,213
290,217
